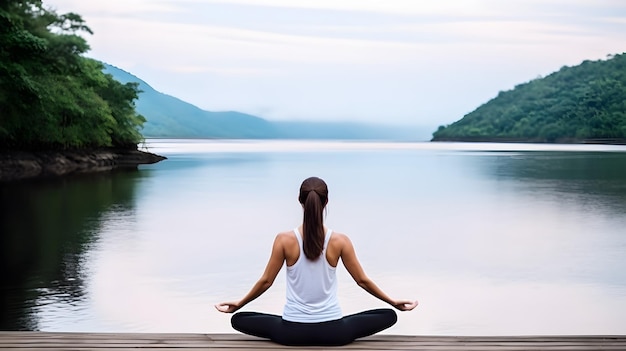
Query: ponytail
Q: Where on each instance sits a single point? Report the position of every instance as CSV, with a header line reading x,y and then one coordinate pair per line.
x,y
313,197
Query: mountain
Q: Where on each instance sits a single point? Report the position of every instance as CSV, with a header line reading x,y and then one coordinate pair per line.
x,y
583,103
170,117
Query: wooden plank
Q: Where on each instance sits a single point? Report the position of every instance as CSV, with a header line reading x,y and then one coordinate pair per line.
x,y
418,348
239,337
46,341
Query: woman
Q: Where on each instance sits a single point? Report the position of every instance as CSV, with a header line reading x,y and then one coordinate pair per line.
x,y
312,316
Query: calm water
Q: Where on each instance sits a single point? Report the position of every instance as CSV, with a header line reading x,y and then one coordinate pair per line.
x,y
490,238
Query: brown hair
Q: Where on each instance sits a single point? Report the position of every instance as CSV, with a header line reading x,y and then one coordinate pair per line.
x,y
313,197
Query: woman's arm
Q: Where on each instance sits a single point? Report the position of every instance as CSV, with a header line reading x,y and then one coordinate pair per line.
x,y
274,265
352,264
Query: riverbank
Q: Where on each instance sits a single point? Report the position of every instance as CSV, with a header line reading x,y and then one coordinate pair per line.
x,y
21,165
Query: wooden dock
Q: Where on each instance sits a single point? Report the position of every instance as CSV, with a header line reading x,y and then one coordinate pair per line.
x,y
46,341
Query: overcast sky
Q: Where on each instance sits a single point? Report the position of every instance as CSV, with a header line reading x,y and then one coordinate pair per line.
x,y
397,61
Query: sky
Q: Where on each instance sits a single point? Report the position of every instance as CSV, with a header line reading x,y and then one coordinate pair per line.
x,y
404,62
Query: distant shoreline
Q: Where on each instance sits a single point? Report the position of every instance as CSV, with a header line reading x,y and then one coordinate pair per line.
x,y
602,141
22,165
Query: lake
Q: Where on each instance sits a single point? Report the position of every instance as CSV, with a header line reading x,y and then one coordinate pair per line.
x,y
492,239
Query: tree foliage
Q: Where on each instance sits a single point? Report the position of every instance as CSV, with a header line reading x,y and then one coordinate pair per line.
x,y
51,96
574,104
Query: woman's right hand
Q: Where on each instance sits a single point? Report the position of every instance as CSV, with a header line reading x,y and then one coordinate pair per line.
x,y
404,305
227,307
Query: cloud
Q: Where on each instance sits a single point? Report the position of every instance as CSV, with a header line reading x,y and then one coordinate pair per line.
x,y
229,71
212,44
124,8
403,7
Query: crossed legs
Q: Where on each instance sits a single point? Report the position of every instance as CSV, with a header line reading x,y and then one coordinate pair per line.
x,y
332,333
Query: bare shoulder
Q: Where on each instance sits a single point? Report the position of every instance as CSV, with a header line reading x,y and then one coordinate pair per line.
x,y
288,243
338,235
339,239
286,238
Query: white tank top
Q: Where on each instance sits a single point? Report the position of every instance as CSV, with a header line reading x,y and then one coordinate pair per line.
x,y
311,288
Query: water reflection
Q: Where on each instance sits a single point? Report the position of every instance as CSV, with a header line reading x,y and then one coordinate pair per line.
x,y
599,173
493,239
578,209
46,229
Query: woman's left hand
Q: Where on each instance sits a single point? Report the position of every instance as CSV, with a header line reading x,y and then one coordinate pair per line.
x,y
227,307
405,305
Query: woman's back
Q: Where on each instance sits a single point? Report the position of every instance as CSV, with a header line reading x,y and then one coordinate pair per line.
x,y
311,287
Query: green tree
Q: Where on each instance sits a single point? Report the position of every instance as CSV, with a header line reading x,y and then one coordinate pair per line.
x,y
51,96
587,101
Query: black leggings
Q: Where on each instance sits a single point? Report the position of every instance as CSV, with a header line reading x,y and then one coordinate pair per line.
x,y
332,333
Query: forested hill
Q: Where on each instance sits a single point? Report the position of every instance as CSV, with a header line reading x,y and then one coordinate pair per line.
x,y
168,116
584,103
